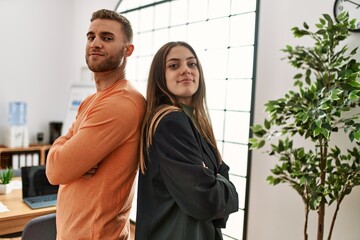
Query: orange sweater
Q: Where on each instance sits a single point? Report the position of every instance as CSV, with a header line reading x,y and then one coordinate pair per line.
x,y
106,133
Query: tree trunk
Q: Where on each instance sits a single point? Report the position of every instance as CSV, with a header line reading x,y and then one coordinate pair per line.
x,y
334,219
306,221
321,217
321,211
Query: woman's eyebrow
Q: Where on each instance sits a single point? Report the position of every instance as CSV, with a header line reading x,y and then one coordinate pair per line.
x,y
178,59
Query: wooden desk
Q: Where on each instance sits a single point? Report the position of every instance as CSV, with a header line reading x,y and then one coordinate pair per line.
x,y
19,214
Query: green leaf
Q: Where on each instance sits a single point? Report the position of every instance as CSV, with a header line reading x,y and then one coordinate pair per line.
x,y
261,144
357,136
325,133
319,25
317,131
354,95
297,76
306,26
305,117
324,107
302,180
318,123
267,124
255,143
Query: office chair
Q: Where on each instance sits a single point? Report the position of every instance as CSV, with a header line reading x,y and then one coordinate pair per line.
x,y
40,228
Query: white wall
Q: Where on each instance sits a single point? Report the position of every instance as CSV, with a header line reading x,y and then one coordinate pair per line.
x,y
36,63
276,212
42,51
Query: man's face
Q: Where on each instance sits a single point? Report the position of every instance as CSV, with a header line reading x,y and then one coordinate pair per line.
x,y
106,45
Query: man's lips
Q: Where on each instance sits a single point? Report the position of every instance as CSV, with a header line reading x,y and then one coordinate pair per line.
x,y
96,54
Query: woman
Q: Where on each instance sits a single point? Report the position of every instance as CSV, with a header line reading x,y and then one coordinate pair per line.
x,y
184,192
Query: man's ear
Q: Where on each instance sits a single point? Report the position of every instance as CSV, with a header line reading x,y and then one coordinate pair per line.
x,y
129,50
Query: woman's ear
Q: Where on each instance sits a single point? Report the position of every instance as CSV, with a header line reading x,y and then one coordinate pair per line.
x,y
129,50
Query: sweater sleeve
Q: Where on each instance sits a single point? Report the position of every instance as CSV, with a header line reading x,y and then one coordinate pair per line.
x,y
105,127
198,191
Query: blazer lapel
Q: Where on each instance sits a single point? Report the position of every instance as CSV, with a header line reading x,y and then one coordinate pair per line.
x,y
210,152
205,147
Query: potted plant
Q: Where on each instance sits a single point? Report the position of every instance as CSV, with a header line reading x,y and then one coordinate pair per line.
x,y
323,106
5,178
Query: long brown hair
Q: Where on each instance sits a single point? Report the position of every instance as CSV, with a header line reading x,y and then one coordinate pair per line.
x,y
160,101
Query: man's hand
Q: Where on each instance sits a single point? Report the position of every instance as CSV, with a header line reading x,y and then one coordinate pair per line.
x,y
91,172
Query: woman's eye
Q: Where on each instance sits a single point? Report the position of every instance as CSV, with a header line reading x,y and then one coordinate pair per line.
x,y
192,65
173,66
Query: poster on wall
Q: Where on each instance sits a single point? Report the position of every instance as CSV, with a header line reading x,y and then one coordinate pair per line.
x,y
78,92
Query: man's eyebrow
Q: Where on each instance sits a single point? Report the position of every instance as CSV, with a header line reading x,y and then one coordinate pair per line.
x,y
102,33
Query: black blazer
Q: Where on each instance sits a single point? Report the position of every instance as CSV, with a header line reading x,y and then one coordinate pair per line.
x,y
178,198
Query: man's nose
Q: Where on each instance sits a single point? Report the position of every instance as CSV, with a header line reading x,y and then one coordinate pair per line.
x,y
96,43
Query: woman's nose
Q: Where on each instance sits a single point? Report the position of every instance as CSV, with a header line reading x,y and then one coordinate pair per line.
x,y
185,70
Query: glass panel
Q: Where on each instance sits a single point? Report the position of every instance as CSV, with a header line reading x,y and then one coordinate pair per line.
x,y
146,19
225,237
178,33
131,68
134,20
241,6
160,38
240,184
125,5
235,155
162,15
234,225
217,121
198,10
146,2
244,26
211,60
241,62
237,127
215,92
196,33
141,86
220,146
217,33
143,71
219,8
222,33
144,44
179,12
238,94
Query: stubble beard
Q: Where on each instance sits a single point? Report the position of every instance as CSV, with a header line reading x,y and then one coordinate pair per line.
x,y
109,64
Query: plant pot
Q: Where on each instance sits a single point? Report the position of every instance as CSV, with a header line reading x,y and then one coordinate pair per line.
x,y
5,188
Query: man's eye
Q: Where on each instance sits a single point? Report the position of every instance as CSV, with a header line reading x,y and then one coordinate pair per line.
x,y
107,39
90,39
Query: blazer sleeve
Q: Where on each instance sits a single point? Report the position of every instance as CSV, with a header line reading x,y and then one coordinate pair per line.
x,y
199,192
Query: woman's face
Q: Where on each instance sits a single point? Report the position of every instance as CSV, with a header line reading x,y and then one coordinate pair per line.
x,y
182,74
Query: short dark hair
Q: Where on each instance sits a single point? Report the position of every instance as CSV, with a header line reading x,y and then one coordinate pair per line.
x,y
112,15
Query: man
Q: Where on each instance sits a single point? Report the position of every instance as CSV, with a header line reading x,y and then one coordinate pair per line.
x,y
96,162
